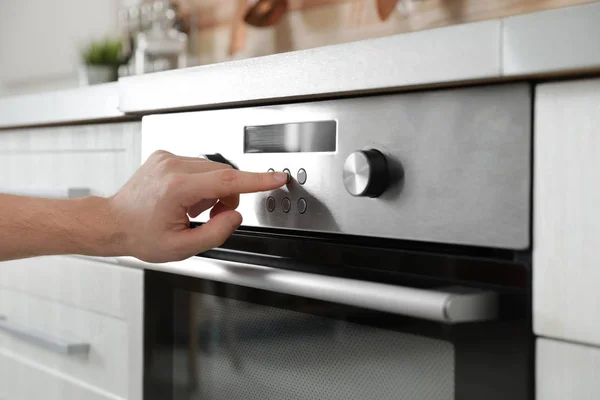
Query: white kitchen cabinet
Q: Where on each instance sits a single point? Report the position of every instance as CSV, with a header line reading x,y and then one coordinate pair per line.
x,y
77,282
52,327
22,379
567,371
566,234
72,300
98,156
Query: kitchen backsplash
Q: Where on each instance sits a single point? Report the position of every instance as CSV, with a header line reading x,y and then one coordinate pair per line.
x,y
315,23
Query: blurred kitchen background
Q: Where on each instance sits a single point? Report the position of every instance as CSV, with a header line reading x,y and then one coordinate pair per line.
x,y
56,44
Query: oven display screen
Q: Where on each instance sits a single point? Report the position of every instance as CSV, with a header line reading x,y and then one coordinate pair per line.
x,y
303,137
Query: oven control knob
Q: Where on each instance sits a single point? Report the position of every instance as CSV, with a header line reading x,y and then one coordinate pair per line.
x,y
366,173
218,158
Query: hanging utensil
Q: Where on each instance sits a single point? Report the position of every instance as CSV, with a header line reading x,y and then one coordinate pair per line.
x,y
266,12
238,29
385,8
356,13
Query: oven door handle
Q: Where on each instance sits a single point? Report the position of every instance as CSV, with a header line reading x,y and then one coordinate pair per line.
x,y
448,305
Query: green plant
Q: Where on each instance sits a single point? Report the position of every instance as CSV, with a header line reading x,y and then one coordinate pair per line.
x,y
107,52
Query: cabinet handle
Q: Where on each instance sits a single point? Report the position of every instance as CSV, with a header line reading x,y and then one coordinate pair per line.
x,y
449,305
43,340
69,193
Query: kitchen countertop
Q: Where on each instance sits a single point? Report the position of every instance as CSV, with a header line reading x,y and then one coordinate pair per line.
x,y
90,103
558,42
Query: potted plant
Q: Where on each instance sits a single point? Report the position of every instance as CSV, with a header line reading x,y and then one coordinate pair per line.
x,y
102,59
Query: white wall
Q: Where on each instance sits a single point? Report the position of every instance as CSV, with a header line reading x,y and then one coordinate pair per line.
x,y
40,40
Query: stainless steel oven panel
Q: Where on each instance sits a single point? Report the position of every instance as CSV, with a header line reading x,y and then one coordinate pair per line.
x,y
459,163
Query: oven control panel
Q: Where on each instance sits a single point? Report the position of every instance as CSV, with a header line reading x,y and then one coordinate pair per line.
x,y
286,204
448,166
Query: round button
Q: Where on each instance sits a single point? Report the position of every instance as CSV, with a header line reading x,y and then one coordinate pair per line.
x,y
270,170
289,174
270,204
286,204
365,173
301,176
301,205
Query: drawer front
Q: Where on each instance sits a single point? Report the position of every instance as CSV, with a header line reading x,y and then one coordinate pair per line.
x,y
567,371
78,301
40,331
82,283
459,162
92,137
98,157
566,212
102,172
22,379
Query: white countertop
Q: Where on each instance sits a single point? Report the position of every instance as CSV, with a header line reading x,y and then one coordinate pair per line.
x,y
558,41
98,102
562,41
459,53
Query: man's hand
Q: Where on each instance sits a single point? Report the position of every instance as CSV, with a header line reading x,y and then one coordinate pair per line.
x,y
147,218
152,209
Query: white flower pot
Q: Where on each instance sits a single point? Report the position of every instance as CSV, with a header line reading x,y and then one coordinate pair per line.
x,y
96,74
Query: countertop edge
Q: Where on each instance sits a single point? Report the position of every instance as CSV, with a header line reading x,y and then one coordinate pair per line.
x,y
97,102
457,53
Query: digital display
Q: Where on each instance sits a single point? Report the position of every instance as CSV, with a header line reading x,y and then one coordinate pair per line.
x,y
302,137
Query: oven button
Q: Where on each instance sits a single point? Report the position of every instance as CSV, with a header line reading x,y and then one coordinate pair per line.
x,y
286,204
289,174
270,204
365,173
301,176
301,205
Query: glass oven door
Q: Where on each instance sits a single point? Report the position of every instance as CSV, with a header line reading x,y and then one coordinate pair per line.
x,y
234,325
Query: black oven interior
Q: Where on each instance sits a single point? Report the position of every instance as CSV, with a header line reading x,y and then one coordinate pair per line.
x,y
210,340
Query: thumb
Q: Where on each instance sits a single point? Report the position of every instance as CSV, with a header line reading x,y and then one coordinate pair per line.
x,y
211,234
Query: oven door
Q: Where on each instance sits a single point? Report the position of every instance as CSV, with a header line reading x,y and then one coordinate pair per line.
x,y
238,325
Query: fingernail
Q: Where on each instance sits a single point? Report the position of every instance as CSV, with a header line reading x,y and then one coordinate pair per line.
x,y
280,177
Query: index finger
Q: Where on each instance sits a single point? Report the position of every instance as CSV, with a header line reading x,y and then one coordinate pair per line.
x,y
227,182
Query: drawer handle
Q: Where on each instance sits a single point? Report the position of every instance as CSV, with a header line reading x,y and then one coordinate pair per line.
x,y
43,340
69,193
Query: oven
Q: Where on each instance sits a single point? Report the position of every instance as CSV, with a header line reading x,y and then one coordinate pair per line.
x,y
395,264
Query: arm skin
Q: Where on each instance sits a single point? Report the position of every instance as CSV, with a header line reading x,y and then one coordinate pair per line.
x,y
33,227
148,218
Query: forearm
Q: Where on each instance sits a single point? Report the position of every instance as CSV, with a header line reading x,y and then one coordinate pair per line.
x,y
148,218
33,226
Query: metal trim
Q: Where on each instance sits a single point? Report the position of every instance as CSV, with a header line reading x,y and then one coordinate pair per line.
x,y
69,193
447,305
42,340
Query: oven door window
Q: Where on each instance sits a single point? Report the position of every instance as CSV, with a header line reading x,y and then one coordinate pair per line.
x,y
218,341
256,352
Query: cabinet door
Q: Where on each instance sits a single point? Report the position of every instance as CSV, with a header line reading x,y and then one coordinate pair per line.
x,y
100,157
25,380
566,262
567,371
73,323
